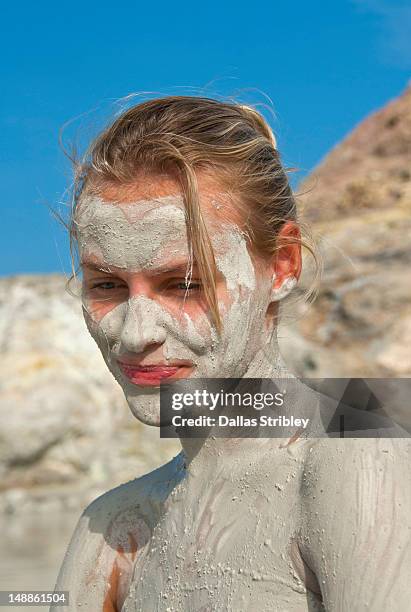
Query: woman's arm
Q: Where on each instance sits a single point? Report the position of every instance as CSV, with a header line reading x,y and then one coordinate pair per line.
x,y
356,533
98,564
84,572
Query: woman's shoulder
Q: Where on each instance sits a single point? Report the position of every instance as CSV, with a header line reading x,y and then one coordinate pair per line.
x,y
141,495
356,495
331,465
326,449
110,531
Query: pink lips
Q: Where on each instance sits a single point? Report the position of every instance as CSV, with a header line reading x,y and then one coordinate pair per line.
x,y
150,375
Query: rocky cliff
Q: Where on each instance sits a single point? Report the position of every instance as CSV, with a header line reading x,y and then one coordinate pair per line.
x,y
358,202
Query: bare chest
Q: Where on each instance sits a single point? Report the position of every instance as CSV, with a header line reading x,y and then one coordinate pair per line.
x,y
224,546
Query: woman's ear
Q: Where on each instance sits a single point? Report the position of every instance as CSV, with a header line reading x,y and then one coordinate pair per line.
x,y
287,261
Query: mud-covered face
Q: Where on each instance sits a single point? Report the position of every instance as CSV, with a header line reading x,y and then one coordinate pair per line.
x,y
145,308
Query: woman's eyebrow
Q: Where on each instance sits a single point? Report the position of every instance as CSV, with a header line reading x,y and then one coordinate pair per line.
x,y
168,267
91,265
180,267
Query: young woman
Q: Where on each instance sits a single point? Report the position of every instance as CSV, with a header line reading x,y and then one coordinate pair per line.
x,y
188,239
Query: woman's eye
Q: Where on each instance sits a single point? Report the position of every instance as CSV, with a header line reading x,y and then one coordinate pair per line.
x,y
106,286
185,287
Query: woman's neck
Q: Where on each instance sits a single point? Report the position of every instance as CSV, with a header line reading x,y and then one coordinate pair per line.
x,y
205,453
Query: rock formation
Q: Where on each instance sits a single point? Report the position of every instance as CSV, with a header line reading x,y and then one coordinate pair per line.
x,y
358,201
65,429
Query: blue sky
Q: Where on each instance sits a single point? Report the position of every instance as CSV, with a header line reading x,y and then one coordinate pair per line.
x,y
324,65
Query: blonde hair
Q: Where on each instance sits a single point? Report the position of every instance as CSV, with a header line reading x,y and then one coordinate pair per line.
x,y
184,134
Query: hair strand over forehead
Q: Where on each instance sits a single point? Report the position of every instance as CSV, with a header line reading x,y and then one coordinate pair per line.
x,y
182,135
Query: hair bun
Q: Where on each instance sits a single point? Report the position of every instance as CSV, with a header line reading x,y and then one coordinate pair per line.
x,y
259,123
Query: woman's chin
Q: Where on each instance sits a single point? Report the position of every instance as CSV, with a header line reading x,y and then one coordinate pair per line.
x,y
146,408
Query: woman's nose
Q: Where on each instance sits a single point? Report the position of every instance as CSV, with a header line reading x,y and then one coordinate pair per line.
x,y
143,325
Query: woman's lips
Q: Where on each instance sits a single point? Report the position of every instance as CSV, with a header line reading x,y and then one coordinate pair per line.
x,y
151,375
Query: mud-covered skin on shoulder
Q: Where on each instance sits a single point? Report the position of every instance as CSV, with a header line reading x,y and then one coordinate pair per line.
x,y
302,525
